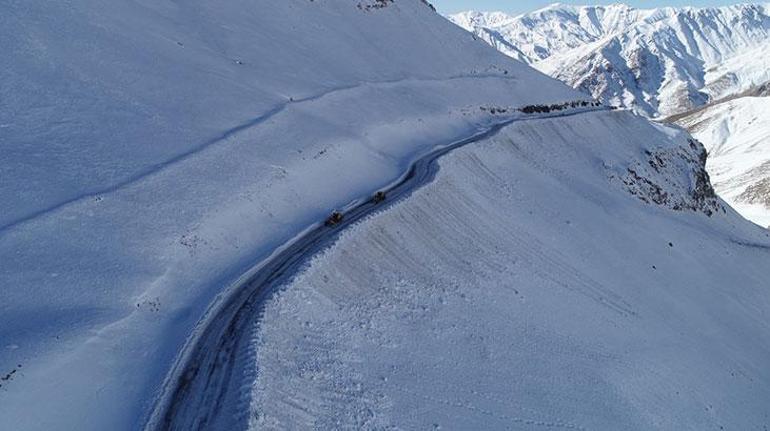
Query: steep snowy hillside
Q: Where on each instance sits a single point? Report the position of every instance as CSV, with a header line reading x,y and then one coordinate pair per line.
x,y
737,136
176,175
152,152
657,61
534,285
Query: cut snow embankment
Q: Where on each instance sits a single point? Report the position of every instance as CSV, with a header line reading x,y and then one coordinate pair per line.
x,y
529,287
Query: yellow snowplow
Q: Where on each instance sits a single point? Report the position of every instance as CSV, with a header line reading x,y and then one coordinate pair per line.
x,y
334,219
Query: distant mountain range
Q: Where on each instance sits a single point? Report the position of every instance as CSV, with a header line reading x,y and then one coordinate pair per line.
x,y
707,69
657,61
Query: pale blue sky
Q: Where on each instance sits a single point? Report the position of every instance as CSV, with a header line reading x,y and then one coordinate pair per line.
x,y
521,6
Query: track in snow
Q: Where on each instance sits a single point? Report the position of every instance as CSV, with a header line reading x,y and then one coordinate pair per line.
x,y
200,384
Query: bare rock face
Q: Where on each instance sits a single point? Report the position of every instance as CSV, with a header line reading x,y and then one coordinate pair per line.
x,y
763,90
674,178
368,5
757,193
374,4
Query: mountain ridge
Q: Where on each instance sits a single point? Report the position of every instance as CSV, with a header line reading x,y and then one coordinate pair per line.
x,y
657,61
156,154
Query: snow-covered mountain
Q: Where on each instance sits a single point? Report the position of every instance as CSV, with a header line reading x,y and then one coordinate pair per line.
x,y
657,61
528,288
152,152
667,62
737,136
562,265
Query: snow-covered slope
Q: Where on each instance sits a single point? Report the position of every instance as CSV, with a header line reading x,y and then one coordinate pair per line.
x,y
657,61
154,152
151,152
527,289
737,136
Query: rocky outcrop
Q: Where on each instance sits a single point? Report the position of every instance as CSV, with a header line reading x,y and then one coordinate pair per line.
x,y
674,178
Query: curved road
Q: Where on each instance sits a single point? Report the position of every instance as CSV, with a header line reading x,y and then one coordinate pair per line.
x,y
200,384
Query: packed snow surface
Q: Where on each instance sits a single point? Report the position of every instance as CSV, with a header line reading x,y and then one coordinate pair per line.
x,y
527,289
658,61
737,136
151,152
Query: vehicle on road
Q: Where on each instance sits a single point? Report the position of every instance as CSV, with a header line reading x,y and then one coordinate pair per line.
x,y
379,197
334,219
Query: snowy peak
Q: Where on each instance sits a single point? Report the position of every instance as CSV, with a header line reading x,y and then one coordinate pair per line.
x,y
471,19
657,61
553,29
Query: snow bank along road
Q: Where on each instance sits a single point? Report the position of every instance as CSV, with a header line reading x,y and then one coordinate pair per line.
x,y
201,383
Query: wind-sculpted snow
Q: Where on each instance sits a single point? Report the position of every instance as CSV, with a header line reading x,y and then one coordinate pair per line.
x,y
525,289
658,61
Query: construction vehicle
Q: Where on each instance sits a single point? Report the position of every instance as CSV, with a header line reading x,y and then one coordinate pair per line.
x,y
334,219
379,197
